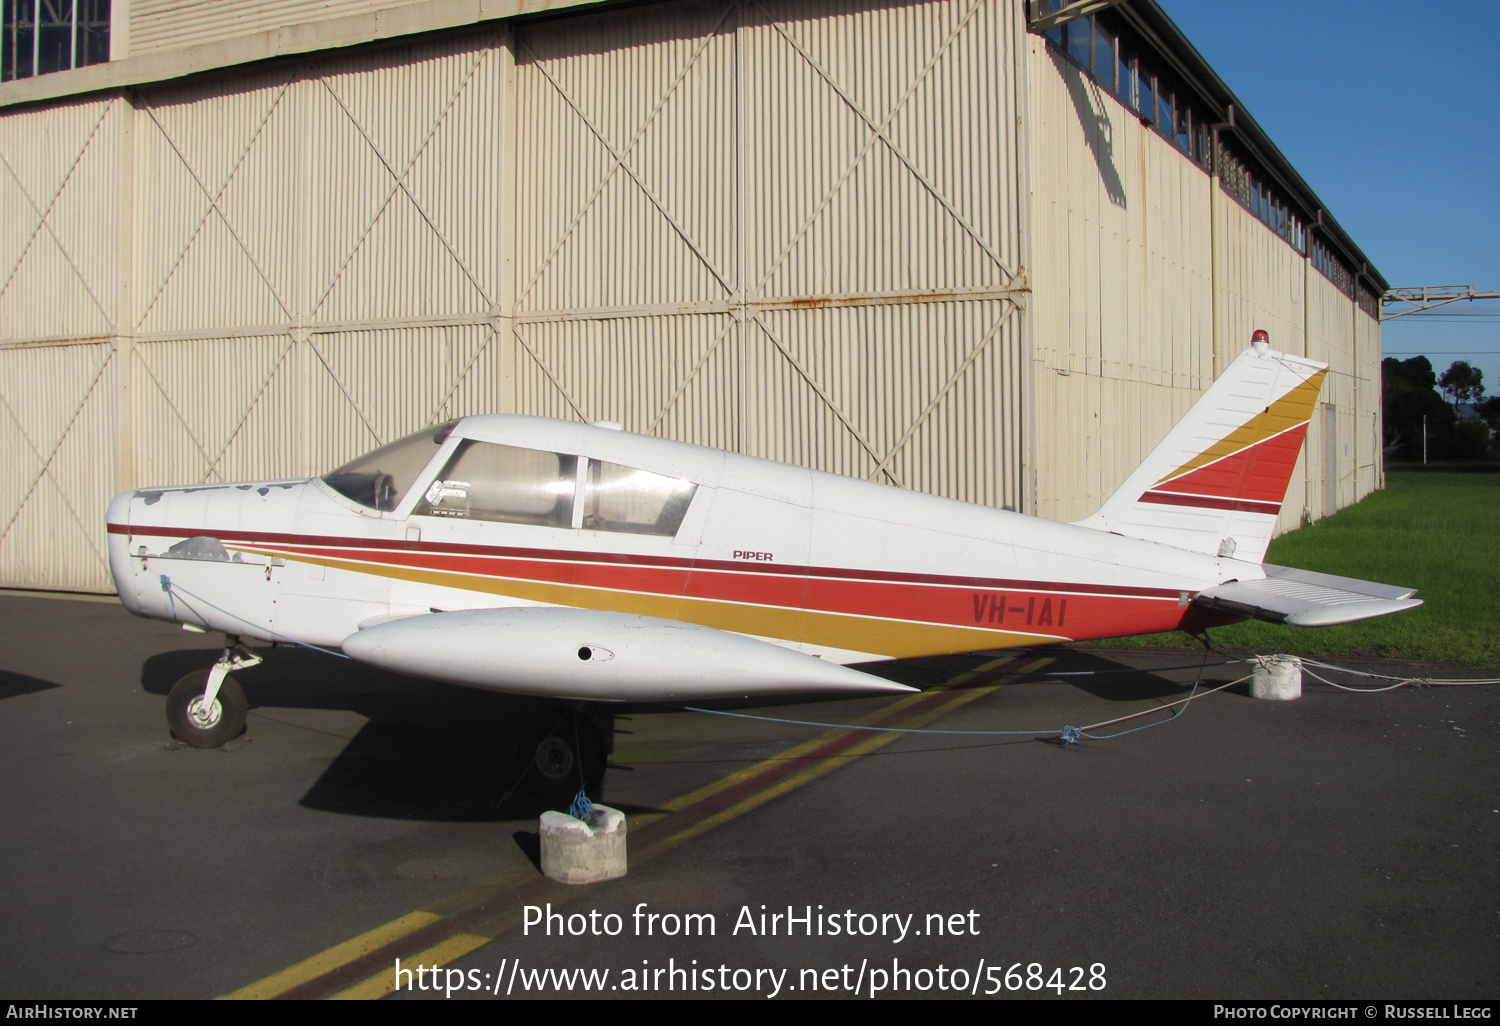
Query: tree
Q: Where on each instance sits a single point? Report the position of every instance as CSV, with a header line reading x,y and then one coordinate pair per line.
x,y
1462,383
1409,398
1489,409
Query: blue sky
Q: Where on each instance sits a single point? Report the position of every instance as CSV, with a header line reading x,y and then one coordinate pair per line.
x,y
1391,112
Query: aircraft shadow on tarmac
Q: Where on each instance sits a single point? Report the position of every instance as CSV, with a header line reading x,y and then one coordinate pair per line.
x,y
13,684
438,752
1090,670
428,751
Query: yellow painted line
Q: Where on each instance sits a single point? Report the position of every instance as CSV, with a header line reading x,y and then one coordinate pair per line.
x,y
439,955
457,946
984,668
828,765
795,752
384,982
327,961
497,884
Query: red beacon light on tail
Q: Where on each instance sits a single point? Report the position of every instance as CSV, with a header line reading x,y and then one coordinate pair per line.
x,y
1260,341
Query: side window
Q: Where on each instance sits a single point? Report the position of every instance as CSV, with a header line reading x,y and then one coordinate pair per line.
x,y
484,481
631,501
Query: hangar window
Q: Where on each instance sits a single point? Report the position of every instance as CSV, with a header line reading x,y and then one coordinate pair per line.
x,y
1109,54
1261,200
631,501
1104,54
1078,36
485,481
41,36
1106,47
1332,268
382,478
1125,76
1146,89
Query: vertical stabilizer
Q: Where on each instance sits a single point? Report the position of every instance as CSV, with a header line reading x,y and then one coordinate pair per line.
x,y
1216,482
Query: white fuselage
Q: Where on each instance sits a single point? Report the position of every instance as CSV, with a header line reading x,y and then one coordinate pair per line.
x,y
831,566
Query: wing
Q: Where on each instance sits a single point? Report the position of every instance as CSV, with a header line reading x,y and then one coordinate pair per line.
x,y
589,654
1303,598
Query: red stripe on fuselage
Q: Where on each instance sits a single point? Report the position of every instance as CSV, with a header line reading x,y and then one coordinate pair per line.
x,y
1018,606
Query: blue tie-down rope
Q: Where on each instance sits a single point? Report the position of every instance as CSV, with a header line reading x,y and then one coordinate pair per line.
x,y
174,591
581,807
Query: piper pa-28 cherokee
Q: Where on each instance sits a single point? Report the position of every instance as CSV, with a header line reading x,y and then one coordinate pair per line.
x,y
585,563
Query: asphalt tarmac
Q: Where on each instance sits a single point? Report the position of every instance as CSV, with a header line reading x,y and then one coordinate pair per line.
x,y
1340,846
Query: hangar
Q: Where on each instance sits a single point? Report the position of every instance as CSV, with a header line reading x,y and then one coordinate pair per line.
x,y
987,249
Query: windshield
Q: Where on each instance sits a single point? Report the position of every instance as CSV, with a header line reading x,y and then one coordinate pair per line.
x,y
382,478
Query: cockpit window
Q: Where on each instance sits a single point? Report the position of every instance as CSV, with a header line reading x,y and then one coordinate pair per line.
x,y
484,481
382,478
624,499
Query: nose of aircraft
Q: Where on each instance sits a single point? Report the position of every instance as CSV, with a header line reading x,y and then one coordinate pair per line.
x,y
118,520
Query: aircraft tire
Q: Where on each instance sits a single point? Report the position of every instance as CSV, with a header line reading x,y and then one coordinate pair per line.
x,y
200,731
551,756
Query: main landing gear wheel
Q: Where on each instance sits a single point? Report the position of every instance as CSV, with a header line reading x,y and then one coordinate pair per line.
x,y
206,727
552,748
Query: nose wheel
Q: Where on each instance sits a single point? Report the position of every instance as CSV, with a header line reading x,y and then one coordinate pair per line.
x,y
207,708
207,723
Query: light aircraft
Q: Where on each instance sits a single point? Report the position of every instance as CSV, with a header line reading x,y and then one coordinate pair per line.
x,y
587,564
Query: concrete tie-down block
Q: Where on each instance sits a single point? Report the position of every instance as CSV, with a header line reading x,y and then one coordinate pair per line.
x,y
578,852
1277,677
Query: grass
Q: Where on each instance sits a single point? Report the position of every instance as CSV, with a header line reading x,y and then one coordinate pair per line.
x,y
1434,528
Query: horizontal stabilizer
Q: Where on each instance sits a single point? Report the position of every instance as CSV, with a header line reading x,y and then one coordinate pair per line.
x,y
598,656
1303,598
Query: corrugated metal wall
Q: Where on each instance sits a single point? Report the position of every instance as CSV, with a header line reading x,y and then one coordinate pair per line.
x,y
160,25
1369,430
1261,283
789,229
1131,242
59,296
1122,310
317,258
304,264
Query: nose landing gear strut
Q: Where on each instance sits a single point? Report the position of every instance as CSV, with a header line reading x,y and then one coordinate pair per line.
x,y
207,708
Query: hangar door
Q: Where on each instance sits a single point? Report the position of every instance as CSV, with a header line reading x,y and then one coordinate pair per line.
x,y
58,368
784,228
